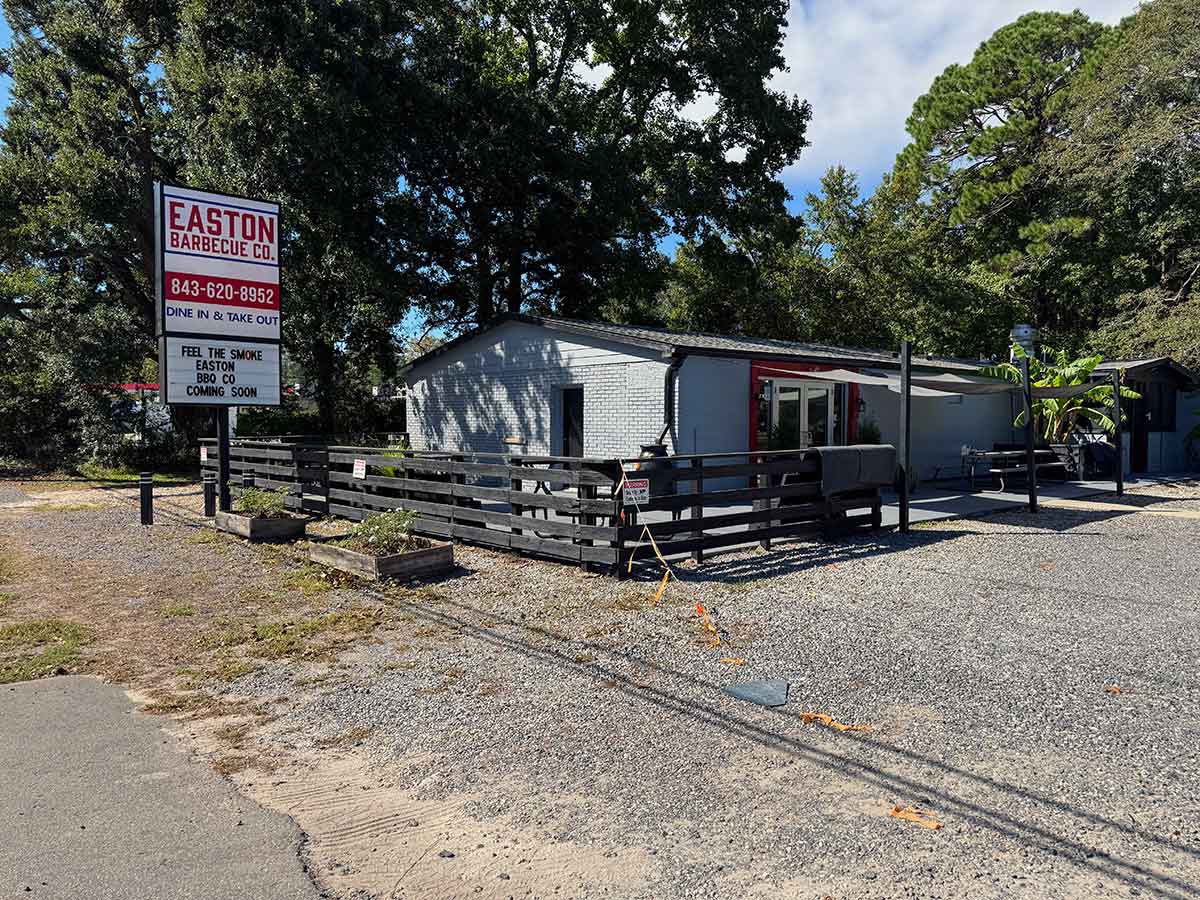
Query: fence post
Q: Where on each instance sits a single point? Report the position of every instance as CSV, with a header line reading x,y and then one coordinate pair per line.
x,y
581,494
210,494
516,486
247,478
1118,437
698,508
619,521
1030,460
905,449
454,481
764,481
225,502
146,486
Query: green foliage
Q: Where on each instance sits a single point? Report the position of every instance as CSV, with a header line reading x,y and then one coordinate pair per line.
x,y
1054,419
869,433
384,534
258,503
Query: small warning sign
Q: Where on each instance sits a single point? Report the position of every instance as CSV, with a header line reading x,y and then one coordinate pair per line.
x,y
360,468
637,490
203,454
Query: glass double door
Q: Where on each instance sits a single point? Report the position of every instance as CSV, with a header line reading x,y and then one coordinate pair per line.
x,y
803,415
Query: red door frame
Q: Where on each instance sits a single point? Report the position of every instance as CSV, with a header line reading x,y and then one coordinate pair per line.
x,y
761,369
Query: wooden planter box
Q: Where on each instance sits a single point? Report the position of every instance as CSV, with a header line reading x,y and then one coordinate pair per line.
x,y
413,564
288,529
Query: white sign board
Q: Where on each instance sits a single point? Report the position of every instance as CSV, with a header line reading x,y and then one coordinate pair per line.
x,y
209,372
218,277
637,490
203,454
360,468
220,264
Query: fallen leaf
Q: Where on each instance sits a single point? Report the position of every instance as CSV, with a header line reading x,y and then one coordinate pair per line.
x,y
809,718
733,660
662,587
916,815
1113,689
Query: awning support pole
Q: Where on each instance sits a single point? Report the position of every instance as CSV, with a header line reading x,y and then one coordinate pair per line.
x,y
1030,461
904,460
1118,438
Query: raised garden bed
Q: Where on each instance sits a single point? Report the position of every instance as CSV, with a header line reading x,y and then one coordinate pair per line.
x,y
287,528
410,564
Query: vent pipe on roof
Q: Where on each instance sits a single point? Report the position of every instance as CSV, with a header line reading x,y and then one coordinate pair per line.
x,y
1025,336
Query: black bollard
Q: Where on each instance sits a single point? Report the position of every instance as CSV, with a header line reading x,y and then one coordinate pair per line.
x,y
147,488
210,495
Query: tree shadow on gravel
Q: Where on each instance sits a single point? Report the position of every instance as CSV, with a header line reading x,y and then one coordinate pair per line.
x,y
709,715
790,558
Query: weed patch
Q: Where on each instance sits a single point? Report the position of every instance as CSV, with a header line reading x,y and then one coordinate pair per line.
x,y
6,598
312,581
296,638
178,610
206,536
33,649
64,507
9,566
95,472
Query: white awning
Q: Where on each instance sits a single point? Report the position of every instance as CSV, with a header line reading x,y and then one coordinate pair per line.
x,y
937,385
922,385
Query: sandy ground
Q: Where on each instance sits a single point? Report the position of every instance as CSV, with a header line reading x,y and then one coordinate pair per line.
x,y
525,729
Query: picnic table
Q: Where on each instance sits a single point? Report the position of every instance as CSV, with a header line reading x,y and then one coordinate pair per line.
x,y
1003,464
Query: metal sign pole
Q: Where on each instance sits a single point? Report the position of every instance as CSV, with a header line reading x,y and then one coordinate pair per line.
x,y
224,503
1118,438
1030,462
905,455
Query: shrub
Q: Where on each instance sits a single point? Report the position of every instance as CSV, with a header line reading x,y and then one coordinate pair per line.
x,y
386,533
869,433
260,504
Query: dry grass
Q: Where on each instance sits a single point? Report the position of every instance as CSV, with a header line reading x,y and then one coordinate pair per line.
x,y
65,507
42,647
298,638
10,565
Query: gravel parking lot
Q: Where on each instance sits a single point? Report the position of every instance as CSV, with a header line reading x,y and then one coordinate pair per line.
x,y
526,729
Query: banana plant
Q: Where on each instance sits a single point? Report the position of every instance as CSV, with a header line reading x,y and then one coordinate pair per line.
x,y
1054,419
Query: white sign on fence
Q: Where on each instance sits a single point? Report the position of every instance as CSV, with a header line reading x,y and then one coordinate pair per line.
x,y
218,277
203,454
637,490
208,372
360,468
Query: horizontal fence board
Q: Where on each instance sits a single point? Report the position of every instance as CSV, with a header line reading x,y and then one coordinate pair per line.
x,y
750,536
535,544
741,495
706,522
809,470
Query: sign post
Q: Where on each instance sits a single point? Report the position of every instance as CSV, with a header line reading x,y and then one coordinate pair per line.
x,y
219,305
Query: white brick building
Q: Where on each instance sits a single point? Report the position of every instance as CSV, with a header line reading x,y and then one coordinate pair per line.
x,y
552,387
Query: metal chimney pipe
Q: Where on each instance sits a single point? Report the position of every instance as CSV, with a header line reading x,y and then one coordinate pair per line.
x,y
1025,336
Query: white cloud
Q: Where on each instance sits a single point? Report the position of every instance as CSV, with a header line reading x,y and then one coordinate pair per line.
x,y
862,64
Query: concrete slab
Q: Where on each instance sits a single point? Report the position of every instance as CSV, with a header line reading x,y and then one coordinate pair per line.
x,y
98,801
771,692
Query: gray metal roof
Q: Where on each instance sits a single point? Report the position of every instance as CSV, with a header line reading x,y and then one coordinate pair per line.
x,y
670,342
1147,365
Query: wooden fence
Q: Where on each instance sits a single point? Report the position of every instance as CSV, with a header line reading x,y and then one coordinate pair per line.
x,y
561,507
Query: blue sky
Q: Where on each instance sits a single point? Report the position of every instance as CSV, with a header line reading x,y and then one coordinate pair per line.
x,y
862,63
